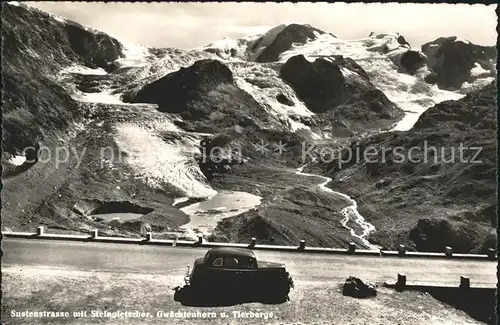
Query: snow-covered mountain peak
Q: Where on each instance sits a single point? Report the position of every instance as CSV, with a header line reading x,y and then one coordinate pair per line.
x,y
262,47
380,56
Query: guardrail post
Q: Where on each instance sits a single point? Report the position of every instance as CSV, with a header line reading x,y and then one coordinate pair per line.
x,y
352,248
149,236
448,251
94,233
402,250
39,231
492,253
200,239
174,243
302,244
254,241
401,284
464,282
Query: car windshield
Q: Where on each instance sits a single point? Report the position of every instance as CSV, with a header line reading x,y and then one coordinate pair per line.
x,y
235,262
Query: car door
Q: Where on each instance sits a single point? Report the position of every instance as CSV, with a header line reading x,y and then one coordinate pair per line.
x,y
242,271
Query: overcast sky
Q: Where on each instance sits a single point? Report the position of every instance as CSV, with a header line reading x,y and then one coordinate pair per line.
x,y
188,25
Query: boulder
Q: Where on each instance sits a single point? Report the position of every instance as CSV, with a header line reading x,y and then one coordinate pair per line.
x,y
357,288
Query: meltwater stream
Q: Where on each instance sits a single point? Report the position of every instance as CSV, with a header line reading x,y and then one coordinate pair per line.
x,y
205,215
350,213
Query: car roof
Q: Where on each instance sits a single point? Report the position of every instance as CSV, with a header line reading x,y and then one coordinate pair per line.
x,y
232,251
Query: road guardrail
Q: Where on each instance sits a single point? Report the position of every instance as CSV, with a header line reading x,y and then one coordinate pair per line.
x,y
301,247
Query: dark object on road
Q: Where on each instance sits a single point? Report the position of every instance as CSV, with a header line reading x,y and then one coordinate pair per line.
x,y
357,288
228,276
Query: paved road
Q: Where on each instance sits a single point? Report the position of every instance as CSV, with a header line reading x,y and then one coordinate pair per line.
x,y
123,258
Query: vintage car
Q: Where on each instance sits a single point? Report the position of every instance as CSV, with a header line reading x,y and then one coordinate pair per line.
x,y
235,272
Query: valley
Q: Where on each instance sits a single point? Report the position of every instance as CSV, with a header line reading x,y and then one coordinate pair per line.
x,y
211,140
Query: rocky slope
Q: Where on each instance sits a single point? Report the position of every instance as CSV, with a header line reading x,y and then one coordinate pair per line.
x,y
50,67
131,130
341,89
31,58
432,196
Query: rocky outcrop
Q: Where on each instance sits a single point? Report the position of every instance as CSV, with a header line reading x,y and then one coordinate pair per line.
x,y
206,97
94,49
174,91
411,61
474,111
284,100
401,40
451,60
320,84
130,226
217,154
431,235
338,85
293,33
